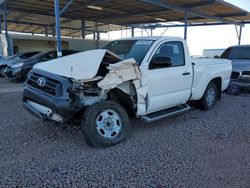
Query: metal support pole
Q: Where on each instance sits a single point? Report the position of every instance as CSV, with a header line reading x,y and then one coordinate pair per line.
x,y
97,35
53,31
108,32
186,25
94,32
6,31
239,39
46,31
133,32
83,27
5,20
121,33
1,24
58,28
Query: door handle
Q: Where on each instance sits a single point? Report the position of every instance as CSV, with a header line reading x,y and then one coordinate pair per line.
x,y
186,73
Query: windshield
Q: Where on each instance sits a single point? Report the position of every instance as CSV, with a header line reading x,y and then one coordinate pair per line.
x,y
126,49
37,55
236,53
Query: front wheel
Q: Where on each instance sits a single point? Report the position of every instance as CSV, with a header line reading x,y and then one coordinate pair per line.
x,y
105,124
2,68
210,96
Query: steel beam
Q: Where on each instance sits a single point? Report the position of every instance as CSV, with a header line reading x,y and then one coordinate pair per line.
x,y
132,32
83,27
239,33
190,11
5,20
46,31
45,25
66,7
85,5
58,28
1,24
239,42
148,12
190,25
218,15
97,35
200,4
186,25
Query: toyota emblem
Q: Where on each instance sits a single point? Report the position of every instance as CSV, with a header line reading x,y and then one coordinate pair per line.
x,y
41,81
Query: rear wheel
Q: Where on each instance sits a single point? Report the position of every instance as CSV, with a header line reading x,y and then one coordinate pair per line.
x,y
210,96
105,124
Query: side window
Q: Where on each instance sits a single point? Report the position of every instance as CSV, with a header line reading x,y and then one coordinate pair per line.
x,y
173,50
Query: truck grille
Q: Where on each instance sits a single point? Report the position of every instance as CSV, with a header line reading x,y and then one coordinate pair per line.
x,y
235,75
50,86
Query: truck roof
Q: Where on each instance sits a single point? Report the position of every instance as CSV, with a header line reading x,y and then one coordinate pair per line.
x,y
153,38
246,45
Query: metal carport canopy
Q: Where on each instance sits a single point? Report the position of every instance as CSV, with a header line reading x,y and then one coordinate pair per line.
x,y
80,17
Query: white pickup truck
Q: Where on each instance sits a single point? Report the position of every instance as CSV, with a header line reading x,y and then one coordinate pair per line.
x,y
149,77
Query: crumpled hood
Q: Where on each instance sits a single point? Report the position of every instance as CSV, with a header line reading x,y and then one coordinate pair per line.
x,y
79,66
241,64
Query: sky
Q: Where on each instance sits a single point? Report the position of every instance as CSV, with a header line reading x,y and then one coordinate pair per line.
x,y
199,38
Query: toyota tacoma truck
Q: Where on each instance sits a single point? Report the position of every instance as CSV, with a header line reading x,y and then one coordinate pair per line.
x,y
149,77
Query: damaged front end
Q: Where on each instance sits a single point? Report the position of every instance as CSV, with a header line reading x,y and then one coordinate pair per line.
x,y
113,75
86,92
64,96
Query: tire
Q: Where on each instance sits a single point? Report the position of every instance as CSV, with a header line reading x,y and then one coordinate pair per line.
x,y
209,98
105,124
1,71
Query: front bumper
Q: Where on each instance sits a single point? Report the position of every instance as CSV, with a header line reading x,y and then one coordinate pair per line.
x,y
13,74
42,112
62,107
244,84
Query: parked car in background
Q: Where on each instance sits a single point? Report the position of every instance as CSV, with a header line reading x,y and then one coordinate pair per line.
x,y
151,77
20,70
240,57
19,57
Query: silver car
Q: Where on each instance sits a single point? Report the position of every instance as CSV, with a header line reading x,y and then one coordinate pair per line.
x,y
240,57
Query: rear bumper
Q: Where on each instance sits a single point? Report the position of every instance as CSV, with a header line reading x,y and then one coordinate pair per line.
x,y
62,106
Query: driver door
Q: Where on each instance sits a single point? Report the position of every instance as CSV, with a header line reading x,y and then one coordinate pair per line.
x,y
169,86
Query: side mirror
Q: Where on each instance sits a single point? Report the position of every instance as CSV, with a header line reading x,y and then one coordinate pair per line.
x,y
160,62
216,56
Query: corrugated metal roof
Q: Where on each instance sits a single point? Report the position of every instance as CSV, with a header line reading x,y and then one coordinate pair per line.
x,y
34,16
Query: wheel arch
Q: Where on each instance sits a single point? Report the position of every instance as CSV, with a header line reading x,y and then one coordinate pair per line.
x,y
198,92
124,94
218,82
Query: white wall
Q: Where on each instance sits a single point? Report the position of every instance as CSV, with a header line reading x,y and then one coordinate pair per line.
x,y
26,43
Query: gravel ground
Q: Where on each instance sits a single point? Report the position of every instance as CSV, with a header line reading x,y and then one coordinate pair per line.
x,y
196,149
8,87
